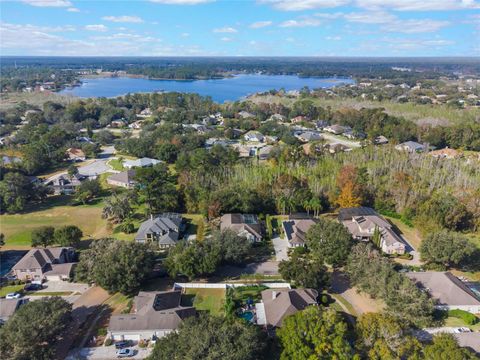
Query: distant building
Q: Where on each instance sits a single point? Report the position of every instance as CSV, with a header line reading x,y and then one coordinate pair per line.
x,y
447,290
75,154
254,136
446,153
362,222
246,115
276,305
163,230
136,125
381,140
246,225
145,113
155,315
336,129
277,117
124,179
143,162
64,184
411,146
308,136
118,124
264,152
54,263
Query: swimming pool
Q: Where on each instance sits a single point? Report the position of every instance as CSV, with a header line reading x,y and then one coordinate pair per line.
x,y
247,315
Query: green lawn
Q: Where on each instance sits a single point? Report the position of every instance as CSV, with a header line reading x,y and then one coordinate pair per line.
x,y
10,289
211,300
411,234
456,322
116,164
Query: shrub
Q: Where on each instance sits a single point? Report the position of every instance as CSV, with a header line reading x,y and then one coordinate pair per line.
x,y
108,342
467,317
142,344
324,299
127,227
102,332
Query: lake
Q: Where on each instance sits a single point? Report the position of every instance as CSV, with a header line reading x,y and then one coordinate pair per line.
x,y
221,90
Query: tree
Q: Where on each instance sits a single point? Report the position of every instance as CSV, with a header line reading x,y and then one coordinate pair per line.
x,y
382,336
234,248
208,337
330,240
15,191
34,329
157,188
115,265
314,333
43,236
118,207
447,248
68,235
2,239
445,347
348,196
304,269
167,152
72,170
352,184
88,190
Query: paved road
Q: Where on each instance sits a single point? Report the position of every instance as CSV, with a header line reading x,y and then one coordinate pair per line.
x,y
281,247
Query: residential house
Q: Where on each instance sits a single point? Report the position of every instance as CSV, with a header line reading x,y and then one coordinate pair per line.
x,y
381,140
145,113
53,263
299,119
118,124
335,148
244,151
244,225
254,136
85,140
212,119
446,153
296,231
155,315
276,305
75,154
143,162
352,134
447,290
411,146
246,115
321,124
363,223
277,117
336,129
64,184
136,125
124,179
271,139
264,152
164,230
308,136
8,308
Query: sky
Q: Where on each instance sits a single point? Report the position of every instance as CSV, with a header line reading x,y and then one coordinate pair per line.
x,y
240,27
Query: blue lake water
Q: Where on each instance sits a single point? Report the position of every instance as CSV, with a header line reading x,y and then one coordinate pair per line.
x,y
221,90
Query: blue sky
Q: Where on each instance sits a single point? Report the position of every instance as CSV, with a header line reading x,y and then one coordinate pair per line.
x,y
240,28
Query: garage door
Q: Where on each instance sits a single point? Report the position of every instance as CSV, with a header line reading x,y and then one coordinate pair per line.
x,y
131,337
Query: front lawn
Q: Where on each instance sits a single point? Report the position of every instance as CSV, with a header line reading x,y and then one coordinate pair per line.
x,y
456,322
116,164
211,300
10,289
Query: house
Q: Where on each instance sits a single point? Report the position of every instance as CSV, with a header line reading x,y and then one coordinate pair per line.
x,y
124,179
8,308
271,139
212,119
336,129
446,153
64,184
321,124
363,223
276,305
163,229
75,154
299,119
296,230
118,124
254,136
244,151
411,146
447,290
244,225
53,263
351,134
264,152
470,340
136,125
308,136
277,117
155,314
381,140
145,113
85,140
246,115
335,148
143,162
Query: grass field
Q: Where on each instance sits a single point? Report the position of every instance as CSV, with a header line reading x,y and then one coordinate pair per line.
x,y
57,212
205,299
116,164
410,233
456,322
10,289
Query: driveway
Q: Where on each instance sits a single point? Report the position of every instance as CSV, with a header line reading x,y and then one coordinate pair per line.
x,y
334,139
95,168
107,152
105,353
281,247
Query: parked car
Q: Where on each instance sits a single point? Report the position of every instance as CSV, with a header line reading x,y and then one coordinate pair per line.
x,y
33,287
14,295
124,353
123,344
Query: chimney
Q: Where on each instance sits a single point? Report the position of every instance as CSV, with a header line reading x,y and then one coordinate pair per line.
x,y
151,216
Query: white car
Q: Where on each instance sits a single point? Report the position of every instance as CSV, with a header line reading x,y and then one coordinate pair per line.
x,y
124,353
14,295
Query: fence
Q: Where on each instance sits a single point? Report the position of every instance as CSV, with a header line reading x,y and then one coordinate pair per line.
x,y
229,285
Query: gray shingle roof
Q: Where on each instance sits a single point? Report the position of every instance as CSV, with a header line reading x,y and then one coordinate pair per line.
x,y
125,177
165,227
38,258
241,222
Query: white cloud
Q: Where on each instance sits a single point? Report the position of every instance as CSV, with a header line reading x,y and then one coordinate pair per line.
x,y
260,24
226,39
420,5
48,3
298,5
73,9
329,15
226,29
181,2
99,27
185,34
414,26
123,19
376,17
301,23
333,38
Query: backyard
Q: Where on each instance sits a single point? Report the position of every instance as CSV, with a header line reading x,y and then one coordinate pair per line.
x,y
211,300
